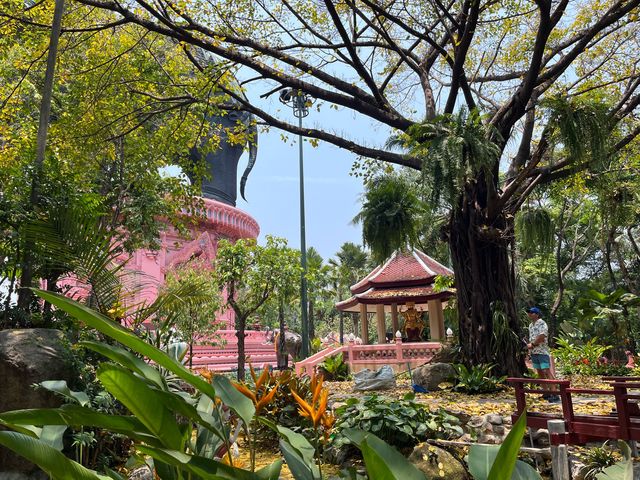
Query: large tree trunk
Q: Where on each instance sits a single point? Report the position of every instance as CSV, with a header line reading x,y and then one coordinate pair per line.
x,y
485,290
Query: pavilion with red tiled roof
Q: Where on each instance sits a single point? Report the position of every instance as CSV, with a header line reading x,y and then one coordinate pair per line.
x,y
405,279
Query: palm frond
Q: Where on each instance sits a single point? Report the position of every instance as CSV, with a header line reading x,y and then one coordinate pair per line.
x,y
389,216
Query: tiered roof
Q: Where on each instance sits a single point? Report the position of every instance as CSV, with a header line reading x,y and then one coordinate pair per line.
x,y
404,277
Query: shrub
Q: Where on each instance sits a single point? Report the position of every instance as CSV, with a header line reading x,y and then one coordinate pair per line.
x,y
596,459
401,423
580,359
477,379
334,368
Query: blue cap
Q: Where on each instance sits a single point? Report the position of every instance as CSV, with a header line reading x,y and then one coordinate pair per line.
x,y
535,310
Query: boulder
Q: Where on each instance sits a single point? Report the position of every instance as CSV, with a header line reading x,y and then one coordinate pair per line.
x,y
436,462
29,356
382,379
430,376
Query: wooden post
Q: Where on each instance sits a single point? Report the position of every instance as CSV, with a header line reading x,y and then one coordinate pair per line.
x,y
436,320
559,456
395,325
364,324
382,330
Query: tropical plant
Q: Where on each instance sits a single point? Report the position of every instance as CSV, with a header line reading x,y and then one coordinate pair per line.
x,y
334,368
250,274
477,379
581,359
500,462
389,216
401,423
596,459
184,435
622,470
349,265
608,316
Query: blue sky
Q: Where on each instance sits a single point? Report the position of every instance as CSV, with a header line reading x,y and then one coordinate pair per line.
x,y
332,196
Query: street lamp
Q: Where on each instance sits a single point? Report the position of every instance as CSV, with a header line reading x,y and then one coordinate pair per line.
x,y
300,102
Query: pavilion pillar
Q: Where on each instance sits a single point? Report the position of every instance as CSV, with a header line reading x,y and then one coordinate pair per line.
x,y
382,330
436,320
395,325
364,324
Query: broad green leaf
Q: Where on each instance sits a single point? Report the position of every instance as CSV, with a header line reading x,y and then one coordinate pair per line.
x,y
143,401
233,398
209,469
297,451
52,436
128,360
482,458
54,463
74,416
117,332
499,462
508,454
60,387
301,469
299,443
177,404
382,458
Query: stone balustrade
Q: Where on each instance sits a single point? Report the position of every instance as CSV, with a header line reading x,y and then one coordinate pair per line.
x,y
398,355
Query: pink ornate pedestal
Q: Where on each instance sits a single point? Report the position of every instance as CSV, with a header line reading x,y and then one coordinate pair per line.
x,y
219,221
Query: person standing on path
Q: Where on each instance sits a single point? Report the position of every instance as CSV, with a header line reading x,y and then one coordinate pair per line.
x,y
539,348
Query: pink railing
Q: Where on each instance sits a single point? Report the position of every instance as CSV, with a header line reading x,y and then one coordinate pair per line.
x,y
398,355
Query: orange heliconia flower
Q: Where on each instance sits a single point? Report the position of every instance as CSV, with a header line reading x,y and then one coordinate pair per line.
x,y
266,398
206,374
316,410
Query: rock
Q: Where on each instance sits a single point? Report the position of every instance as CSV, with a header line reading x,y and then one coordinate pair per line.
x,y
464,417
476,421
142,473
436,462
430,376
487,427
382,379
499,430
29,356
488,438
494,419
540,438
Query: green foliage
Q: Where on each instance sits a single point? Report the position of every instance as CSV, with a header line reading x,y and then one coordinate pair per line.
x,y
389,216
581,359
622,470
596,459
453,149
583,128
607,314
388,463
250,274
477,379
334,368
401,423
136,383
500,462
535,229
